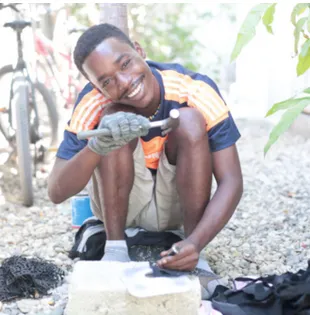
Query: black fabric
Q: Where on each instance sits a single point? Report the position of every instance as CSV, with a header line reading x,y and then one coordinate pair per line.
x,y
94,245
22,277
286,294
163,272
139,245
164,239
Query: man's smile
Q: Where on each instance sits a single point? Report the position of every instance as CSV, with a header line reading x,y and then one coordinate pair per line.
x,y
135,91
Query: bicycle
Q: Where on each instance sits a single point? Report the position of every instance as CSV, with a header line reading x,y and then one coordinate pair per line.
x,y
56,68
28,118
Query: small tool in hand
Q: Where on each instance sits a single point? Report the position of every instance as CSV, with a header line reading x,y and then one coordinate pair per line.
x,y
166,126
174,250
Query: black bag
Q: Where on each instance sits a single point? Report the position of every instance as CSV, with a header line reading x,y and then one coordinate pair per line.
x,y
142,245
286,294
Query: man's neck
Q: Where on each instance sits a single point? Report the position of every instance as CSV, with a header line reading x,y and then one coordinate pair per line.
x,y
153,106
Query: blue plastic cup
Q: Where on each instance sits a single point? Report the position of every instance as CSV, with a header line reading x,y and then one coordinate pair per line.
x,y
81,209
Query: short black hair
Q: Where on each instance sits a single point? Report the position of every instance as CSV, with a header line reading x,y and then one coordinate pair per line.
x,y
94,36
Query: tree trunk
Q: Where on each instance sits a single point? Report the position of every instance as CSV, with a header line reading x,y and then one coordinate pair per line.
x,y
116,14
46,23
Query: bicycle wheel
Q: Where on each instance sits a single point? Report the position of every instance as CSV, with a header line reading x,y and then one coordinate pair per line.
x,y
6,75
48,115
46,106
20,106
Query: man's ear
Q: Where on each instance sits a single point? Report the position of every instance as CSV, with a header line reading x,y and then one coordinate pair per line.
x,y
140,50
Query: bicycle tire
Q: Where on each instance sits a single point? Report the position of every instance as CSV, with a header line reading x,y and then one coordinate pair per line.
x,y
48,100
3,71
52,110
21,106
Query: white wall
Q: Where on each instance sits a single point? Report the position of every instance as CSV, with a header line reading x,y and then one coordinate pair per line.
x,y
265,70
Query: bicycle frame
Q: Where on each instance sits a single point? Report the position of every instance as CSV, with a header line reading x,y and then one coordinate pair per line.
x,y
45,48
20,122
21,67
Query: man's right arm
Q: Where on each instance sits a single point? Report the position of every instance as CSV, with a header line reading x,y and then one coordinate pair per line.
x,y
69,177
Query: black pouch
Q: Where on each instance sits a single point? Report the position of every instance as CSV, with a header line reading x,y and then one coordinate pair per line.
x,y
286,294
89,242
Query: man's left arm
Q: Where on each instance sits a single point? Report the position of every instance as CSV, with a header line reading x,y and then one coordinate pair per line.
x,y
227,171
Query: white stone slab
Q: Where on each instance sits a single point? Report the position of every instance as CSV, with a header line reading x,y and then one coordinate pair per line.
x,y
99,288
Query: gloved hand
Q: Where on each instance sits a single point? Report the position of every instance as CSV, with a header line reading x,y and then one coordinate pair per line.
x,y
123,127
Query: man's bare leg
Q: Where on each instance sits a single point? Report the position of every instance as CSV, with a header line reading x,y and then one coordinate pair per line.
x,y
188,149
116,176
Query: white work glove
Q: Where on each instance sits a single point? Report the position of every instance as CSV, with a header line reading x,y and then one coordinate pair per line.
x,y
123,126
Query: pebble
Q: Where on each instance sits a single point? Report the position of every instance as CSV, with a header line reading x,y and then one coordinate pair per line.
x,y
267,234
57,311
26,305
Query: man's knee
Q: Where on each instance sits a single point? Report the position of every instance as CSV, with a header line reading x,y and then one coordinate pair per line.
x,y
192,127
125,153
190,133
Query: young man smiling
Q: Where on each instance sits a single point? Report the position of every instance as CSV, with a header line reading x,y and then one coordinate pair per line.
x,y
139,177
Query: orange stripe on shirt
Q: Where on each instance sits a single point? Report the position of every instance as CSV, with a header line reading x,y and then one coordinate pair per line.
x,y
87,113
80,108
196,93
210,116
152,151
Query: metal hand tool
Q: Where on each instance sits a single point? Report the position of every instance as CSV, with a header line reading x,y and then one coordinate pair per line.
x,y
166,126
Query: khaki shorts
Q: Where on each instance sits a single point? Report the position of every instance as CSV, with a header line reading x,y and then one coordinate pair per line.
x,y
153,202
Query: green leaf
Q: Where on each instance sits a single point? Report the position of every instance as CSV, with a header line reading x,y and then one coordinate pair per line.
x,y
307,90
268,17
308,26
298,28
291,102
248,28
304,58
297,10
285,122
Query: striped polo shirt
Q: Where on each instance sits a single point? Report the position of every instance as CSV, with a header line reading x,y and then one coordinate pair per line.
x,y
179,87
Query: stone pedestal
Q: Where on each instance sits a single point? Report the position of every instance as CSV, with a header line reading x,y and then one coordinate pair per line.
x,y
98,288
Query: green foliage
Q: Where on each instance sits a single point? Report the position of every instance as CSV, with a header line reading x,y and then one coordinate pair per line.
x,y
80,12
268,17
298,28
248,28
304,58
294,108
172,32
162,33
297,10
265,12
291,102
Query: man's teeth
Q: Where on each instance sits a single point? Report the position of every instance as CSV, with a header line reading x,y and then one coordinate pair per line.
x,y
135,91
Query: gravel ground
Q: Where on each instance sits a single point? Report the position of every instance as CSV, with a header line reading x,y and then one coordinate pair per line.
x,y
267,234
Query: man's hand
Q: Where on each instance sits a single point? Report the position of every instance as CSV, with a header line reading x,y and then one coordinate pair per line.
x,y
186,258
123,126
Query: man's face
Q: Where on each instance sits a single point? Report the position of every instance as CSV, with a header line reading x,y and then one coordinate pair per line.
x,y
120,73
